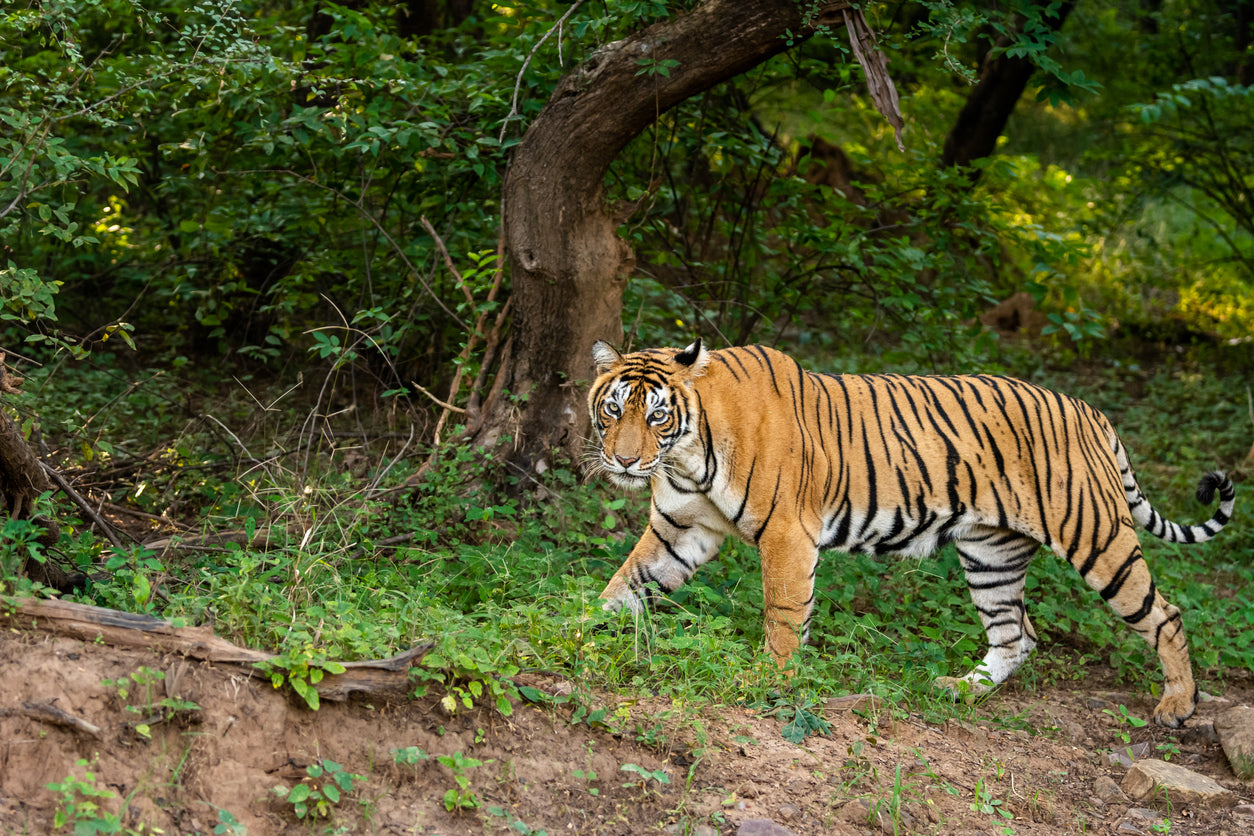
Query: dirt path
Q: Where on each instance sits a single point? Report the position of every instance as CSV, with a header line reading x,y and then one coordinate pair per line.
x,y
538,771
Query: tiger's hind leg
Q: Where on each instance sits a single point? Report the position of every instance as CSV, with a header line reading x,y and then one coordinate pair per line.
x,y
1119,574
996,564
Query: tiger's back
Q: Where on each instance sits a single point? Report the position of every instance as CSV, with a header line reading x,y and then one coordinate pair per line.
x,y
899,464
745,441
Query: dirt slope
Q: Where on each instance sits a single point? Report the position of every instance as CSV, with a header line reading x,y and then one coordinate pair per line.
x,y
537,767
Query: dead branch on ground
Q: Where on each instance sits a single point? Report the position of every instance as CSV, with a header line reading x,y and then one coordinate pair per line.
x,y
122,629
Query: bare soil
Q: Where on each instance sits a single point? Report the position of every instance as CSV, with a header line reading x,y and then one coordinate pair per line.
x,y
872,773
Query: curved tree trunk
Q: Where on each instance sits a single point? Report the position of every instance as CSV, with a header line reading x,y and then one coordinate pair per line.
x,y
984,115
567,264
22,480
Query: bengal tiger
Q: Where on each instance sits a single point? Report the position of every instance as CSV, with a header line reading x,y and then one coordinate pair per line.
x,y
745,441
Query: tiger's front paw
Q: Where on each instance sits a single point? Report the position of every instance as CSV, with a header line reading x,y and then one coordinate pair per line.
x,y
965,688
618,595
1174,709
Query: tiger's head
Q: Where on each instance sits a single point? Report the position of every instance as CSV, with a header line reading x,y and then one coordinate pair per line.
x,y
642,406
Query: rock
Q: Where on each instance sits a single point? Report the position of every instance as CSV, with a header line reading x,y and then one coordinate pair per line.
x,y
1128,755
762,827
860,812
697,830
1138,821
1243,811
909,820
1201,733
1096,702
922,811
1163,782
857,811
1107,790
1235,728
747,790
788,812
1076,734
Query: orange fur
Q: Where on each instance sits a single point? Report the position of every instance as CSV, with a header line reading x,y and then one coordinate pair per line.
x,y
743,441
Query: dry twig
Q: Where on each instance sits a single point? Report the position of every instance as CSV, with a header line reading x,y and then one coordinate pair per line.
x,y
48,713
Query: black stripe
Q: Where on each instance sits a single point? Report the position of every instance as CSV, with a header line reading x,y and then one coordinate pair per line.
x,y
745,499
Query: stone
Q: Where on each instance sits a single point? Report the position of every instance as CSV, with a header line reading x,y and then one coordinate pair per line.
x,y
857,811
1243,811
1202,732
922,811
697,830
747,790
1107,790
762,827
1235,729
1075,733
788,812
862,813
1128,755
1138,821
1162,782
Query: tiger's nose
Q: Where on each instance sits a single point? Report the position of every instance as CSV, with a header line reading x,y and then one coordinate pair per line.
x,y
626,461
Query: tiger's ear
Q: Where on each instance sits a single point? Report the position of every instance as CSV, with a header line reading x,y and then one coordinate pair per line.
x,y
695,357
604,357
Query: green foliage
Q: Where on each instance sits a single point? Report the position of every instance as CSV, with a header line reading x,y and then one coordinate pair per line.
x,y
460,796
79,805
228,826
473,673
19,543
410,755
645,776
317,795
987,804
302,668
150,707
802,724
226,189
1125,721
134,573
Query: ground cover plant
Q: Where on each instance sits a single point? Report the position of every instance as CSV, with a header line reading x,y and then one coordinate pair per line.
x,y
345,562
255,273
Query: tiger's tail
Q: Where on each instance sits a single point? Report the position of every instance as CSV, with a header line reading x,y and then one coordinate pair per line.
x,y
1163,528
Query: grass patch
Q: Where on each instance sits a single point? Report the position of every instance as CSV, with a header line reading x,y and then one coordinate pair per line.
x,y
320,553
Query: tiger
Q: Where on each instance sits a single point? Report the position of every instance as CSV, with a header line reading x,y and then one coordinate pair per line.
x,y
743,441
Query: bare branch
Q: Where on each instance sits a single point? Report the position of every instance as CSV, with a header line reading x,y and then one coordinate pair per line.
x,y
437,401
513,103
448,262
82,503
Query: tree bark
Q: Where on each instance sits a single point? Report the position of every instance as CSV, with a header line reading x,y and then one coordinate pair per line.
x,y
567,264
22,480
984,115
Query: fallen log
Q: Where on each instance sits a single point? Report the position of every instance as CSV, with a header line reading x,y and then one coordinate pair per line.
x,y
123,629
48,713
